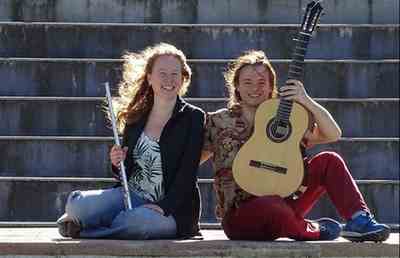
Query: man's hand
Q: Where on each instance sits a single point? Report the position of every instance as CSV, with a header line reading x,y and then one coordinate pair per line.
x,y
294,90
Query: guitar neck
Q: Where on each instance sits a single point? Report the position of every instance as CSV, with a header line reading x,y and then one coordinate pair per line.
x,y
296,66
296,69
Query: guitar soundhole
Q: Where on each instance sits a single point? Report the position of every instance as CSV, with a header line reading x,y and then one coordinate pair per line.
x,y
278,130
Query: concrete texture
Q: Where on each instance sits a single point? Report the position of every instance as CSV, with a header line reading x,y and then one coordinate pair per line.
x,y
46,242
85,116
47,197
367,158
222,41
196,11
73,156
382,199
84,77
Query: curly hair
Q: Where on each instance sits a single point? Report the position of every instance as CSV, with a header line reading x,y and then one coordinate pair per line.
x,y
250,57
136,96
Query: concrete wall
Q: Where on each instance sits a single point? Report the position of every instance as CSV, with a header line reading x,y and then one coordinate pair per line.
x,y
73,157
84,77
76,117
196,11
213,42
45,200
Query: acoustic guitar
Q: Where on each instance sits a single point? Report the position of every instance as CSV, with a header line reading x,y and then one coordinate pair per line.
x,y
271,161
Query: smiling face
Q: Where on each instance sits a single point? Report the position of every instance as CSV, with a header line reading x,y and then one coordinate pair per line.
x,y
166,77
254,85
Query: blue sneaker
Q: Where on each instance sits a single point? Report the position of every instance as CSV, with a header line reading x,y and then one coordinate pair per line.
x,y
329,229
365,228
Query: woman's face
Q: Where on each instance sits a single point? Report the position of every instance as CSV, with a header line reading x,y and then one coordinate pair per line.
x,y
254,85
166,77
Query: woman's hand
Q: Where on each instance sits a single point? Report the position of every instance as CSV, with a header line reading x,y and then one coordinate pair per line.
x,y
154,208
294,90
117,154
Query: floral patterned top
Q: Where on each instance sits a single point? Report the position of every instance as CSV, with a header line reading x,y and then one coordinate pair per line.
x,y
226,131
147,178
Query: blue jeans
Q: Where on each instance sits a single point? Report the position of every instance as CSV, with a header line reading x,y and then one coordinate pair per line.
x,y
102,214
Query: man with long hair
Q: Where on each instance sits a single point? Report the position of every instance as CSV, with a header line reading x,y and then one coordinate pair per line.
x,y
251,80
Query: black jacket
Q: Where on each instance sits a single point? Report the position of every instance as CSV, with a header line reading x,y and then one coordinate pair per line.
x,y
180,144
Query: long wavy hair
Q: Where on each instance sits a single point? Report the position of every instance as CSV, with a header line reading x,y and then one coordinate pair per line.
x,y
136,96
231,75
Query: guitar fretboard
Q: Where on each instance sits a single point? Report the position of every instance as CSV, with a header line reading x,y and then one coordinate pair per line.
x,y
296,68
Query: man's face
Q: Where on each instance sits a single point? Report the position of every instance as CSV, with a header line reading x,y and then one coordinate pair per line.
x,y
254,85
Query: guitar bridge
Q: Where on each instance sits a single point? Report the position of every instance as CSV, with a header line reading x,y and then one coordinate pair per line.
x,y
267,165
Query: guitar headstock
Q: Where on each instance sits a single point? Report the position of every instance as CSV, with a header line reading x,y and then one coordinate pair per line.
x,y
311,17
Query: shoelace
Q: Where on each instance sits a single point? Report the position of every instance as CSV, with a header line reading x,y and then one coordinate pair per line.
x,y
75,221
368,221
371,220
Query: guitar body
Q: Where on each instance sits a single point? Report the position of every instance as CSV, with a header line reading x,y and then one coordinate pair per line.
x,y
265,165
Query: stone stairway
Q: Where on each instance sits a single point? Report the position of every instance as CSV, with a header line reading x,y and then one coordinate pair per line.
x,y
54,55
197,11
47,243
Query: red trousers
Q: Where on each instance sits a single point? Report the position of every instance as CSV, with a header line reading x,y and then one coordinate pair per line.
x,y
272,217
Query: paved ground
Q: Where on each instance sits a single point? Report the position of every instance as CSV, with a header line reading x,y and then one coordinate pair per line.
x,y
47,241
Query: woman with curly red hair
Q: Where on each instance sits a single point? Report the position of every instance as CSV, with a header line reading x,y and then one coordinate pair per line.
x,y
152,116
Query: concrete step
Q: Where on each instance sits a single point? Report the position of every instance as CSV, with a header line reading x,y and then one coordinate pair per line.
x,y
83,116
84,77
204,11
51,205
364,154
223,41
358,154
49,195
29,156
382,197
47,243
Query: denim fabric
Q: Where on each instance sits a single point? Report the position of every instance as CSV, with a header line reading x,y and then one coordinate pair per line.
x,y
101,214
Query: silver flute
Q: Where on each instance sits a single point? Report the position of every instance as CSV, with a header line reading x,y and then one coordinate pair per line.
x,y
127,196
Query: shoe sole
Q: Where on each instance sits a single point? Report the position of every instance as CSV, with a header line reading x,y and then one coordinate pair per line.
x,y
377,236
68,229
